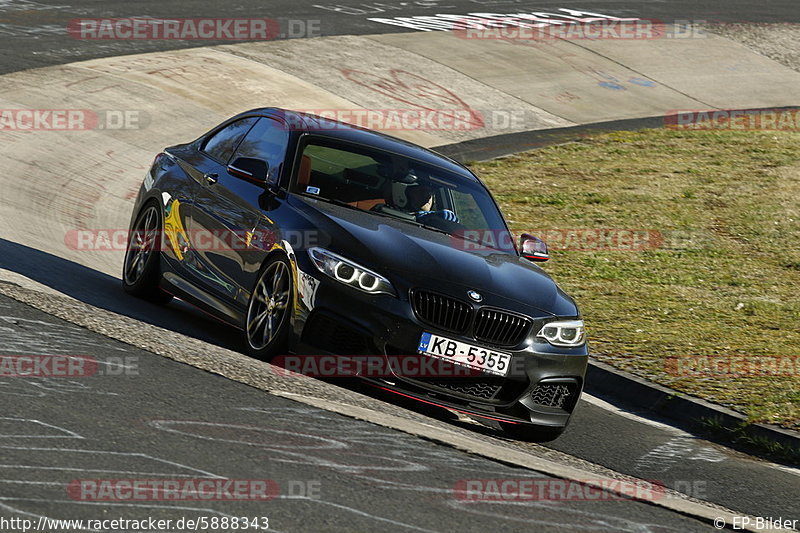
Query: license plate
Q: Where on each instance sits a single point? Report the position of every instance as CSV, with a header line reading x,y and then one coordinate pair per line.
x,y
465,354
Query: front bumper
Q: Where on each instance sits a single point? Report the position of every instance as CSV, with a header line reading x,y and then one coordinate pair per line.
x,y
542,389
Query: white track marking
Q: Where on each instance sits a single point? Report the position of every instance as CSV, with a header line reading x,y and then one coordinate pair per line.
x,y
597,402
602,404
67,434
193,471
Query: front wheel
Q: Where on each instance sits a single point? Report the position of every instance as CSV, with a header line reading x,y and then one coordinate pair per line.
x,y
141,271
267,321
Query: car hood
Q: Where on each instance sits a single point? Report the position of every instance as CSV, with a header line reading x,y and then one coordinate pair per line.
x,y
432,260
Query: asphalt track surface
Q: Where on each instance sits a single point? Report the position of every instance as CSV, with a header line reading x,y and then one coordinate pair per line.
x,y
174,420
33,33
622,440
164,420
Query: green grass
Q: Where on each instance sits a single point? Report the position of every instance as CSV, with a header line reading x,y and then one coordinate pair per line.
x,y
725,281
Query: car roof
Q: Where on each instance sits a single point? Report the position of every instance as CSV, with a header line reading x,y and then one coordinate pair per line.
x,y
313,124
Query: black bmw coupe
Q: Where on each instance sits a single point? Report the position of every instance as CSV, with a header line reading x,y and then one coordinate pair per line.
x,y
317,237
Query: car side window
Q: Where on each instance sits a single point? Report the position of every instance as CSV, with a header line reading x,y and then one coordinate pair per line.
x,y
347,175
267,141
222,143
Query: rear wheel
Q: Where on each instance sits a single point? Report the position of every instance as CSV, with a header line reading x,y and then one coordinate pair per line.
x,y
141,271
267,321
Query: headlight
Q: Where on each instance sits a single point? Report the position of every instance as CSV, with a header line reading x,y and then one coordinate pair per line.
x,y
350,273
569,333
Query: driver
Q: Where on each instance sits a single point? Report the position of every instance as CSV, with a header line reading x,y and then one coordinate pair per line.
x,y
420,203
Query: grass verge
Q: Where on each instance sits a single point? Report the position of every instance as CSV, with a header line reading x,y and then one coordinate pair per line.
x,y
708,300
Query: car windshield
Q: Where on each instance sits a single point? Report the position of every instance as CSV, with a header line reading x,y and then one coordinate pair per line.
x,y
402,188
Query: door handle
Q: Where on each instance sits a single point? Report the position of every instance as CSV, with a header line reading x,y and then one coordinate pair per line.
x,y
211,179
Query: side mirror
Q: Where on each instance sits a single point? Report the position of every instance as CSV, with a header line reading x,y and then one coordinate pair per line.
x,y
249,168
533,248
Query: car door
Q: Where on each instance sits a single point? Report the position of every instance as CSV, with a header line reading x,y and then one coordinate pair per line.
x,y
227,221
202,163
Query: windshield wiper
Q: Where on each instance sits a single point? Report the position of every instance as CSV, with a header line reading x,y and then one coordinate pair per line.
x,y
461,236
408,221
432,228
333,201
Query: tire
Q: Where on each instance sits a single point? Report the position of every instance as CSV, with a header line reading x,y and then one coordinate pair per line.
x,y
141,270
529,433
266,327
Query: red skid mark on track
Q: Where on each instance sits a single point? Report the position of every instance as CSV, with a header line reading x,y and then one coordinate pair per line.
x,y
415,91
